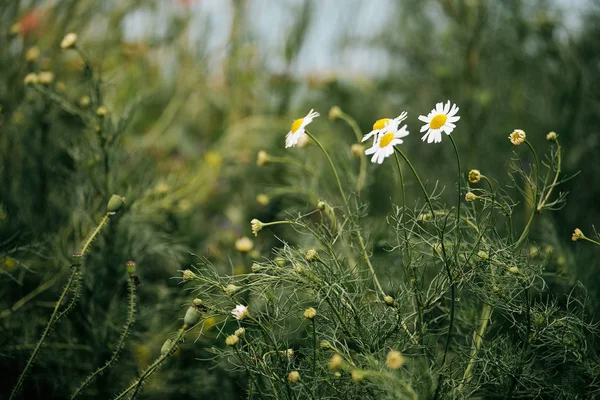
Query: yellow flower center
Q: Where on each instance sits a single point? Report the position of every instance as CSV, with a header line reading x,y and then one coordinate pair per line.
x,y
296,124
380,124
386,139
438,121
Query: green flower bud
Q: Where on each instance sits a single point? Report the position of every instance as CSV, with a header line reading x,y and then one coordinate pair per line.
x,y
167,347
192,316
130,267
115,203
77,258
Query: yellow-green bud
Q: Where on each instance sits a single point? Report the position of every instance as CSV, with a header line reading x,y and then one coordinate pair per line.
x,y
231,289
240,332
232,340
311,255
188,275
551,136
294,376
389,300
335,112
310,313
474,176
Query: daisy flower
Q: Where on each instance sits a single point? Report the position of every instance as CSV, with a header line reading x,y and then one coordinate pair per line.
x,y
384,125
384,144
240,312
440,119
297,129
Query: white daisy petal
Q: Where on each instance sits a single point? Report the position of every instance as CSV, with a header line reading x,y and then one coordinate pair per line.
x,y
439,120
297,129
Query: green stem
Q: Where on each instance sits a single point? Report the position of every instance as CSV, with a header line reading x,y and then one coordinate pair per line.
x,y
314,366
363,158
414,171
558,166
153,367
534,200
359,236
55,314
591,240
486,312
49,325
120,343
459,189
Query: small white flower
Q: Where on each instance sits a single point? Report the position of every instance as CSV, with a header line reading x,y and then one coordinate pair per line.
x,y
385,125
517,137
384,144
240,312
297,129
440,119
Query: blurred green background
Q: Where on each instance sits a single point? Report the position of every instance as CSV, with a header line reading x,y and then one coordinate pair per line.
x,y
194,90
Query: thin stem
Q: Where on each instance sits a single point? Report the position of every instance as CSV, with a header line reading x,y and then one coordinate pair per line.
x,y
49,326
459,189
150,370
55,315
314,366
120,343
591,240
414,171
363,158
558,166
486,312
534,200
359,236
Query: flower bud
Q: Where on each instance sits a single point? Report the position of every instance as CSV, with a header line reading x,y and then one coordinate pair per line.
x,y
394,360
321,205
244,244
192,316
232,340
188,275
32,54
325,345
470,196
102,111
256,226
46,77
310,313
474,176
167,347
357,375
551,136
577,235
482,255
69,41
262,158
240,332
231,289
517,137
357,150
263,199
335,361
31,79
84,101
294,376
115,203
335,112
514,270
130,267
312,255
389,300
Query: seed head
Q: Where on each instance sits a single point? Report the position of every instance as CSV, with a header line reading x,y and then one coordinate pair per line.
x,y
167,346
130,267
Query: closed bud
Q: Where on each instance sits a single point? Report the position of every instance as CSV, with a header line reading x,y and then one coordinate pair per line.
x,y
167,347
312,255
130,267
577,235
551,136
240,332
244,244
310,313
474,176
188,275
294,376
482,255
46,77
357,150
335,112
470,196
232,340
357,376
115,203
31,79
32,54
389,300
192,316
394,359
335,362
231,289
325,345
256,226
69,41
321,205
262,158
102,111
263,199
514,270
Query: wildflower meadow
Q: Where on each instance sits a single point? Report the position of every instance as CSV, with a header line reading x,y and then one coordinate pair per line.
x,y
184,219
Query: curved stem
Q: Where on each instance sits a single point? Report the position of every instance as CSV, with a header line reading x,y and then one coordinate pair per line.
x,y
459,189
414,171
362,175
486,312
120,343
314,366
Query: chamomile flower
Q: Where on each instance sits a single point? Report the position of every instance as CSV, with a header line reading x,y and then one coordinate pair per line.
x,y
384,144
240,312
385,125
297,129
440,119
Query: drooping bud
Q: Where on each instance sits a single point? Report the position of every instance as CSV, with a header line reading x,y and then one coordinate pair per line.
x,y
577,235
256,226
335,112
470,196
